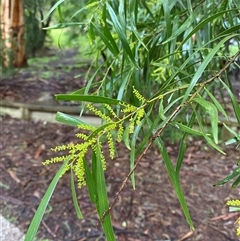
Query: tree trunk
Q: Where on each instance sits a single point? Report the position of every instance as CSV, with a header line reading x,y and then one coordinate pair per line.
x,y
12,31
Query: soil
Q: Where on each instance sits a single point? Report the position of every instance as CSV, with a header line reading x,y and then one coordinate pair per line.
x,y
151,212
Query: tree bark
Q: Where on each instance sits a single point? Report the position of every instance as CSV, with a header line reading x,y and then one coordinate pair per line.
x,y
12,31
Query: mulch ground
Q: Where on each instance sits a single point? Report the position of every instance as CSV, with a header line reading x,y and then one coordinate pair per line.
x,y
151,212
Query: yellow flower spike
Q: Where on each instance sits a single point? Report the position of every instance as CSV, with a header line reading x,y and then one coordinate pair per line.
x,y
131,126
55,160
86,127
138,95
104,166
233,202
99,113
140,115
67,167
111,145
110,109
82,136
120,132
128,108
79,172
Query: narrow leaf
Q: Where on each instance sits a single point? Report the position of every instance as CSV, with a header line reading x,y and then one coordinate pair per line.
x,y
133,150
212,111
88,98
126,138
105,39
69,120
32,230
236,182
202,24
90,183
217,104
52,9
175,181
203,66
121,33
228,178
74,197
102,199
235,104
188,130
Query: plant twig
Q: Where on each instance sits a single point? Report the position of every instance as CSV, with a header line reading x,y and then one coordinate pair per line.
x,y
152,139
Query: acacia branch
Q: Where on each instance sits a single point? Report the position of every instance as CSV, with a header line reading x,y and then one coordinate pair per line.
x,y
159,132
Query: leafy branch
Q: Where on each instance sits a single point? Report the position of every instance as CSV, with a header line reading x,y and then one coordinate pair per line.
x,y
157,61
159,131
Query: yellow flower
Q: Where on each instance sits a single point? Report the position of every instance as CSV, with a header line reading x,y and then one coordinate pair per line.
x,y
233,202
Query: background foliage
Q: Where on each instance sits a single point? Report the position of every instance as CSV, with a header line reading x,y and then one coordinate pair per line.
x,y
158,65
35,34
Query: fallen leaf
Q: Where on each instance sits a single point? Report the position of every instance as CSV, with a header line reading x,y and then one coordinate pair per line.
x,y
13,175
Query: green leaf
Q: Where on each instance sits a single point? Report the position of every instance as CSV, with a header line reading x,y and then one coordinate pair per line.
x,y
88,98
203,66
121,34
124,84
167,17
216,103
188,129
235,104
234,209
161,110
175,181
236,182
107,31
202,24
152,127
134,30
52,9
126,138
181,155
171,104
207,138
90,183
69,120
74,196
133,149
63,25
228,178
231,131
211,143
32,230
183,144
213,113
231,141
60,13
102,199
104,38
